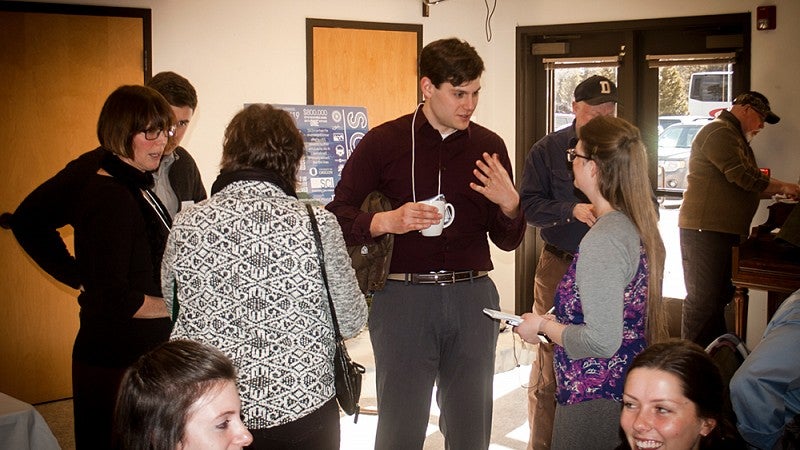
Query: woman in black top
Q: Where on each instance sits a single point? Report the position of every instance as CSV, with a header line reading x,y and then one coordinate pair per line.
x,y
120,232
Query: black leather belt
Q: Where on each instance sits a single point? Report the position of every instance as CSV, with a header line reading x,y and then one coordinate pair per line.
x,y
561,254
441,277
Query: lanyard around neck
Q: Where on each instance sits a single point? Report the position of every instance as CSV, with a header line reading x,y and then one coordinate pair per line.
x,y
413,160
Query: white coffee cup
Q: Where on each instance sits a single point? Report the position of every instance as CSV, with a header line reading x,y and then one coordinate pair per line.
x,y
447,211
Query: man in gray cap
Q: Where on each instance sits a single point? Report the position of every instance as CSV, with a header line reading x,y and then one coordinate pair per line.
x,y
563,214
724,188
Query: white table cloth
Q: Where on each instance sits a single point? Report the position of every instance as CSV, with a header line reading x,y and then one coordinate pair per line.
x,y
22,427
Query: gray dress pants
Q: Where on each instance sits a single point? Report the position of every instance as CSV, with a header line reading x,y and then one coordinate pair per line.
x,y
424,334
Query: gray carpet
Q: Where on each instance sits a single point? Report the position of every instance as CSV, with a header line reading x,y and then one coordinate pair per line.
x,y
58,415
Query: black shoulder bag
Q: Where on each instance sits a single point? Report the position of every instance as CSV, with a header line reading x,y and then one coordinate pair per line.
x,y
348,372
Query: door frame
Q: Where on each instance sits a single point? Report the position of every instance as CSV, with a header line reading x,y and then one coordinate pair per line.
x,y
87,10
638,89
312,24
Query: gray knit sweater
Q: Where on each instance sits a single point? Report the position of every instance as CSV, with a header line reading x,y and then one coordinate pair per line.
x,y
609,258
249,283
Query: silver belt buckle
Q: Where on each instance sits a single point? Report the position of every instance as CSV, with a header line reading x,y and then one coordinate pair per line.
x,y
444,277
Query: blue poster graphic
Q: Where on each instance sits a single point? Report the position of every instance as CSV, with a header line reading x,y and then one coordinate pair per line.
x,y
331,133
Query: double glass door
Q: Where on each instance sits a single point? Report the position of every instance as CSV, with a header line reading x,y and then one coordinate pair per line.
x,y
673,76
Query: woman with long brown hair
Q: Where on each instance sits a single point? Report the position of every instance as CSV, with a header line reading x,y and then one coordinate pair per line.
x,y
608,305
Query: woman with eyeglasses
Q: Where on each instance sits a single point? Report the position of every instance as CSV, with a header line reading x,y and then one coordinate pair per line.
x,y
120,232
608,305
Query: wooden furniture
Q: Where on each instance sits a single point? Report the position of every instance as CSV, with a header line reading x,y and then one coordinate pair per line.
x,y
763,263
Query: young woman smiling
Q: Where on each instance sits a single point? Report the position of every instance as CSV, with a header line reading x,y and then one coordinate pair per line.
x,y
673,400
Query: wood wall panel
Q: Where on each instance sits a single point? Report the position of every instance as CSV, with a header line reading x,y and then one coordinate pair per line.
x,y
57,70
366,67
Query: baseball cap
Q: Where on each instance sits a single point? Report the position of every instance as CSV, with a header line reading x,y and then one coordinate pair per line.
x,y
596,90
758,102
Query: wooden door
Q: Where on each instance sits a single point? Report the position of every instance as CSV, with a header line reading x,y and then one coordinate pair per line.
x,y
364,64
57,69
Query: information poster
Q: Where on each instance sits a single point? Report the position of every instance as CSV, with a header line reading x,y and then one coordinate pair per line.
x,y
331,133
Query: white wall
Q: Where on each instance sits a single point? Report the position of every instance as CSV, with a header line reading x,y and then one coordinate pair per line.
x,y
239,51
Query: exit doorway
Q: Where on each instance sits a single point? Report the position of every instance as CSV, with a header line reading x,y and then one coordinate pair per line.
x,y
643,57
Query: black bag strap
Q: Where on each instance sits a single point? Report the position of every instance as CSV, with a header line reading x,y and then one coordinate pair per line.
x,y
321,257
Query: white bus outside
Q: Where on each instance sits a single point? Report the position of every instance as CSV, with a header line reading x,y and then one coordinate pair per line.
x,y
709,92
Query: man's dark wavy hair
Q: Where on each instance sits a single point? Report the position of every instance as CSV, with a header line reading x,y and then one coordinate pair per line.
x,y
450,60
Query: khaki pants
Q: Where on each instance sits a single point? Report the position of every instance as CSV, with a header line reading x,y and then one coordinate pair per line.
x,y
542,387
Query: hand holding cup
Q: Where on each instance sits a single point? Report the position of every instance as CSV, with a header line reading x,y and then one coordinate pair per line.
x,y
447,212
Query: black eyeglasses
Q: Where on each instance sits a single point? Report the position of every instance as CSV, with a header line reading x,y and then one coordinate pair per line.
x,y
151,134
572,154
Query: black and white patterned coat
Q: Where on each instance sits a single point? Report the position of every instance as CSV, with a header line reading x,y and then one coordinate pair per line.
x,y
248,281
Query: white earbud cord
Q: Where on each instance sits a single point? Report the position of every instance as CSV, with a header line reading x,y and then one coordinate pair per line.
x,y
413,159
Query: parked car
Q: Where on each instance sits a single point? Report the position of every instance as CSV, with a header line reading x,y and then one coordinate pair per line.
x,y
666,121
674,147
562,120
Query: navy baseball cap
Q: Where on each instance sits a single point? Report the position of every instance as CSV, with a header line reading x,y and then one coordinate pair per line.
x,y
596,90
757,101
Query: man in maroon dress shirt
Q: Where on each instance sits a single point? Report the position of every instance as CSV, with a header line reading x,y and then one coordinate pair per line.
x,y
427,325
